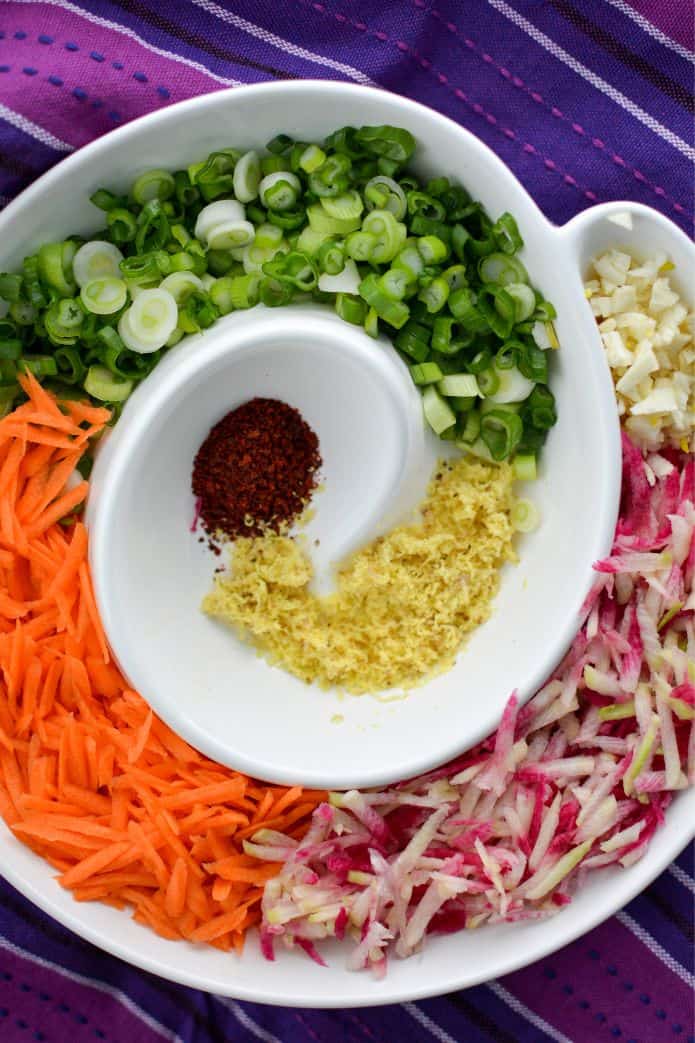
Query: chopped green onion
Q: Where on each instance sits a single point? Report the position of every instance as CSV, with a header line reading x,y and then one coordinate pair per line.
x,y
104,295
383,193
244,290
62,321
221,296
247,177
351,309
10,348
424,373
410,260
345,281
105,200
181,285
438,414
394,312
149,322
101,383
394,284
462,403
279,144
501,269
95,260
56,266
153,184
312,158
525,469
471,428
489,382
524,516
280,191
414,340
331,256
40,366
122,225
391,142
389,233
320,221
506,233
458,384
434,296
447,336
308,241
360,245
501,432
347,206
524,299
10,286
371,324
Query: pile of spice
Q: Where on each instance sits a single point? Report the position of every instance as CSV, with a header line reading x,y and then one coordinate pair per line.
x,y
403,604
255,471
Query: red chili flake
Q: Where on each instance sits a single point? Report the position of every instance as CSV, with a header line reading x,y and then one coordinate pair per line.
x,y
256,470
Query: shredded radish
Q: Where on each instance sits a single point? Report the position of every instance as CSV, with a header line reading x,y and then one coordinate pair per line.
x,y
577,779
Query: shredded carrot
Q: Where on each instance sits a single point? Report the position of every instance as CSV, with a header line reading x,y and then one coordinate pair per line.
x,y
126,811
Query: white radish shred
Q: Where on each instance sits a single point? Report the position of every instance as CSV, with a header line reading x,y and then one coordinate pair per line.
x,y
508,830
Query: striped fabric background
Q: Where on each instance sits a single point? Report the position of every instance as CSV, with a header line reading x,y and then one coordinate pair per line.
x,y
586,100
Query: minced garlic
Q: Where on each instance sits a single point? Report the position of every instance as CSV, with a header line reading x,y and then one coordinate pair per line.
x,y
403,604
647,333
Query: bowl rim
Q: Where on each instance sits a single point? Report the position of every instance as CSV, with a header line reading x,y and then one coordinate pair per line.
x,y
630,884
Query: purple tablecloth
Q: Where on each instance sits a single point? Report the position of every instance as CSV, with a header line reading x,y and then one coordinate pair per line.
x,y
586,101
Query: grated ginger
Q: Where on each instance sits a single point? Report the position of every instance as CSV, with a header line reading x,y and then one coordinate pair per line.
x,y
403,604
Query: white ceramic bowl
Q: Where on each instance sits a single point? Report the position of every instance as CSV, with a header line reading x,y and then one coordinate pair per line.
x,y
151,573
556,259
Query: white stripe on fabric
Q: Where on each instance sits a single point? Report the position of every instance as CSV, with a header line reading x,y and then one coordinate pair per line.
x,y
426,1021
651,29
593,78
33,130
277,41
99,986
106,23
523,1011
249,1024
682,877
656,949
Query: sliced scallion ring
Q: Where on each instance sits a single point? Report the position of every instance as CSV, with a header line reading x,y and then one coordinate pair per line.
x,y
347,281
94,260
524,300
383,193
153,184
247,177
101,383
513,386
280,190
502,269
180,285
231,235
217,213
104,296
149,322
524,516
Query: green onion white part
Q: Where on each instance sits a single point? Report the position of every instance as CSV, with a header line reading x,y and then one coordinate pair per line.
x,y
149,322
95,260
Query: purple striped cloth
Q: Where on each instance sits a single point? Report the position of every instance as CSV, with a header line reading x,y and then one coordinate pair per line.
x,y
585,102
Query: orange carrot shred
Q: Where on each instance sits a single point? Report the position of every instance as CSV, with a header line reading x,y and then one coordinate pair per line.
x,y
126,811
